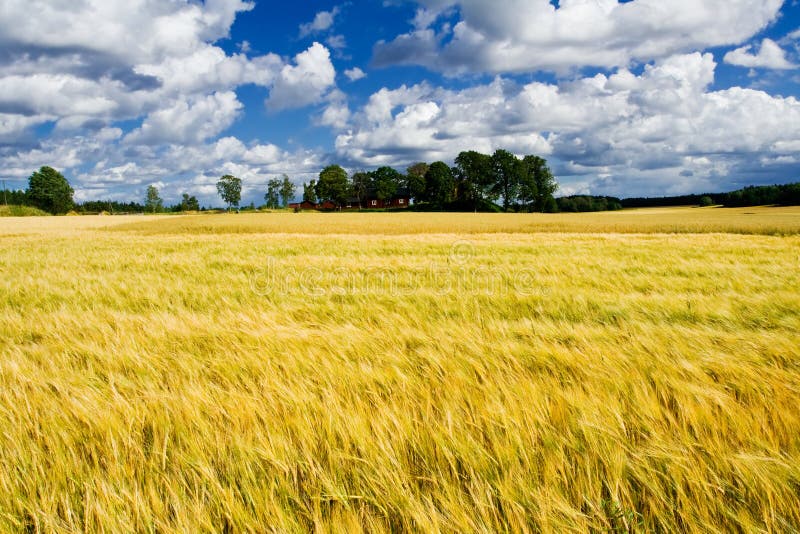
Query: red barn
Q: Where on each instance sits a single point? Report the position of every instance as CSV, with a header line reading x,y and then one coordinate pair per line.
x,y
304,205
371,202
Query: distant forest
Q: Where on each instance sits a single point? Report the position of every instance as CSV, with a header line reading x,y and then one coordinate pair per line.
x,y
762,195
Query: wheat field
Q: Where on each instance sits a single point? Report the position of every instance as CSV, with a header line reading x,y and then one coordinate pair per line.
x,y
625,372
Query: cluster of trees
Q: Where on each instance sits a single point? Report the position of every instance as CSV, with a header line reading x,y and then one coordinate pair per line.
x,y
155,204
681,200
785,195
584,203
335,186
15,198
110,206
476,182
47,190
50,191
279,192
760,195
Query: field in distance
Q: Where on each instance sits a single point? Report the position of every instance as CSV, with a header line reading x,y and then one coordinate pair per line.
x,y
757,220
623,372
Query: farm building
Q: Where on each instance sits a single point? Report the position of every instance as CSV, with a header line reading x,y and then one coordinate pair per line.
x,y
401,200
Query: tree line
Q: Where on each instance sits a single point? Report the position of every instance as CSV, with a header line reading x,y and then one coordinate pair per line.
x,y
754,195
49,191
587,203
476,183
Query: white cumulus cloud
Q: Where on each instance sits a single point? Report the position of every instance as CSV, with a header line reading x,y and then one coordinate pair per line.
x,y
769,56
323,20
355,74
525,35
189,121
304,83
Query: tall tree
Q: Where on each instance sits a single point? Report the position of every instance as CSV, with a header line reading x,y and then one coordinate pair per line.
x,y
528,189
415,180
359,184
288,190
49,191
506,169
473,178
385,182
273,192
440,185
153,202
546,184
310,192
333,185
230,189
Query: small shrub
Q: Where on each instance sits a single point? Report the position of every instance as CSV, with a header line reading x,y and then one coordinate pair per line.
x,y
21,211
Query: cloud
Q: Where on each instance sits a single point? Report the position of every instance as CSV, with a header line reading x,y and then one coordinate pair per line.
x,y
209,69
337,42
304,83
355,74
131,32
89,64
77,70
625,134
14,126
526,35
336,113
769,56
85,66
189,121
323,20
122,170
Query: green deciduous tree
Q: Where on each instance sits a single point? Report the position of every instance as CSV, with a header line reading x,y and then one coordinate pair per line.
x,y
506,171
333,185
189,203
153,202
544,181
310,192
359,184
230,189
49,191
528,189
473,178
415,180
273,193
385,181
439,184
288,190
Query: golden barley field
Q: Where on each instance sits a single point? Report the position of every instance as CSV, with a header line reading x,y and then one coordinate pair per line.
x,y
635,371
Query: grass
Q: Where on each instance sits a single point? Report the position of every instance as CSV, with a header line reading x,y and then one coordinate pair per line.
x,y
355,372
20,211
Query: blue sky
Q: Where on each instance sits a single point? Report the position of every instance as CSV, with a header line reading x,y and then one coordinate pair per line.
x,y
642,97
